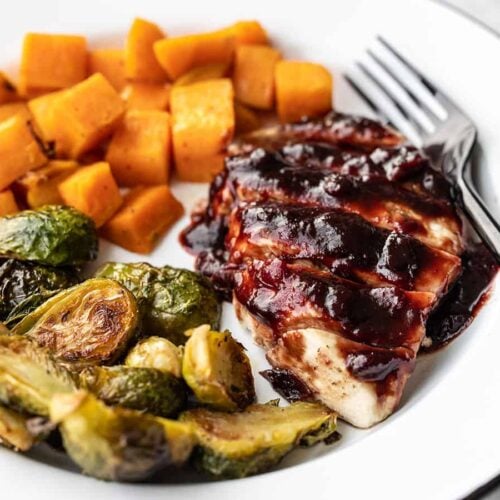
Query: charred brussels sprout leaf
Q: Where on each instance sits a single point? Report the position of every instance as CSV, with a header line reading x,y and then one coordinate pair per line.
x,y
14,431
88,324
171,300
143,389
52,235
116,443
239,444
217,369
26,283
29,376
158,353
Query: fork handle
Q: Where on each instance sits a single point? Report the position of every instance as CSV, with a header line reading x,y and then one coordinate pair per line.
x,y
479,215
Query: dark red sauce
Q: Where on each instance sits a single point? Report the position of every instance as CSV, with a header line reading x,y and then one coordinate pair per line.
x,y
287,384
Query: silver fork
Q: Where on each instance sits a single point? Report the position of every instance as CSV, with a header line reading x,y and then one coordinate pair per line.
x,y
437,124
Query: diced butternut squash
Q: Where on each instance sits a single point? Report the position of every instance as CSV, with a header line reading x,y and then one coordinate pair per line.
x,y
145,216
19,151
140,61
247,32
302,89
8,203
202,128
86,114
203,73
180,54
41,186
8,92
246,120
93,191
139,152
111,64
14,108
52,62
147,96
254,75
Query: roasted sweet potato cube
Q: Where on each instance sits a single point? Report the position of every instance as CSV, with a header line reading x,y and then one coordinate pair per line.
x,y
202,128
93,191
302,89
111,64
52,62
246,119
147,96
86,114
8,92
247,32
14,108
203,73
146,214
139,152
19,150
180,54
254,75
140,61
8,203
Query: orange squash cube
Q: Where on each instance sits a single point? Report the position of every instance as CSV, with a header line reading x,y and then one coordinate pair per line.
x,y
111,64
93,191
14,108
140,61
145,216
52,62
247,32
139,152
246,119
180,54
254,75
302,89
19,150
8,203
202,128
147,96
203,73
8,92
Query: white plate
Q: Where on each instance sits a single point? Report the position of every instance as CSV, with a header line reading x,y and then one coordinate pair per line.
x,y
445,439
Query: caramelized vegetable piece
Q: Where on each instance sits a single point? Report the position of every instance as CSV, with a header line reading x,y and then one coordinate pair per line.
x,y
203,73
14,108
302,89
14,431
147,96
140,60
86,114
202,128
139,152
93,191
254,75
145,216
246,120
180,54
52,62
247,32
86,325
69,237
111,64
41,186
240,444
8,203
158,353
116,443
29,376
19,150
8,92
144,389
217,369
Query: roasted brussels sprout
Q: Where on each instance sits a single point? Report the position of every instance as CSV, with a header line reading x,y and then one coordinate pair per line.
x,y
29,376
28,282
52,235
88,324
14,431
144,389
239,444
217,369
171,300
156,352
116,443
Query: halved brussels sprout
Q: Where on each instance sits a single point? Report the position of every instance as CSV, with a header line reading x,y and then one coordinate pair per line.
x,y
217,369
14,431
158,353
240,444
143,389
29,376
88,324
171,300
52,235
116,443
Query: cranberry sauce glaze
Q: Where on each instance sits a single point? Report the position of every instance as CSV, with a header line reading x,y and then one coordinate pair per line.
x,y
343,196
